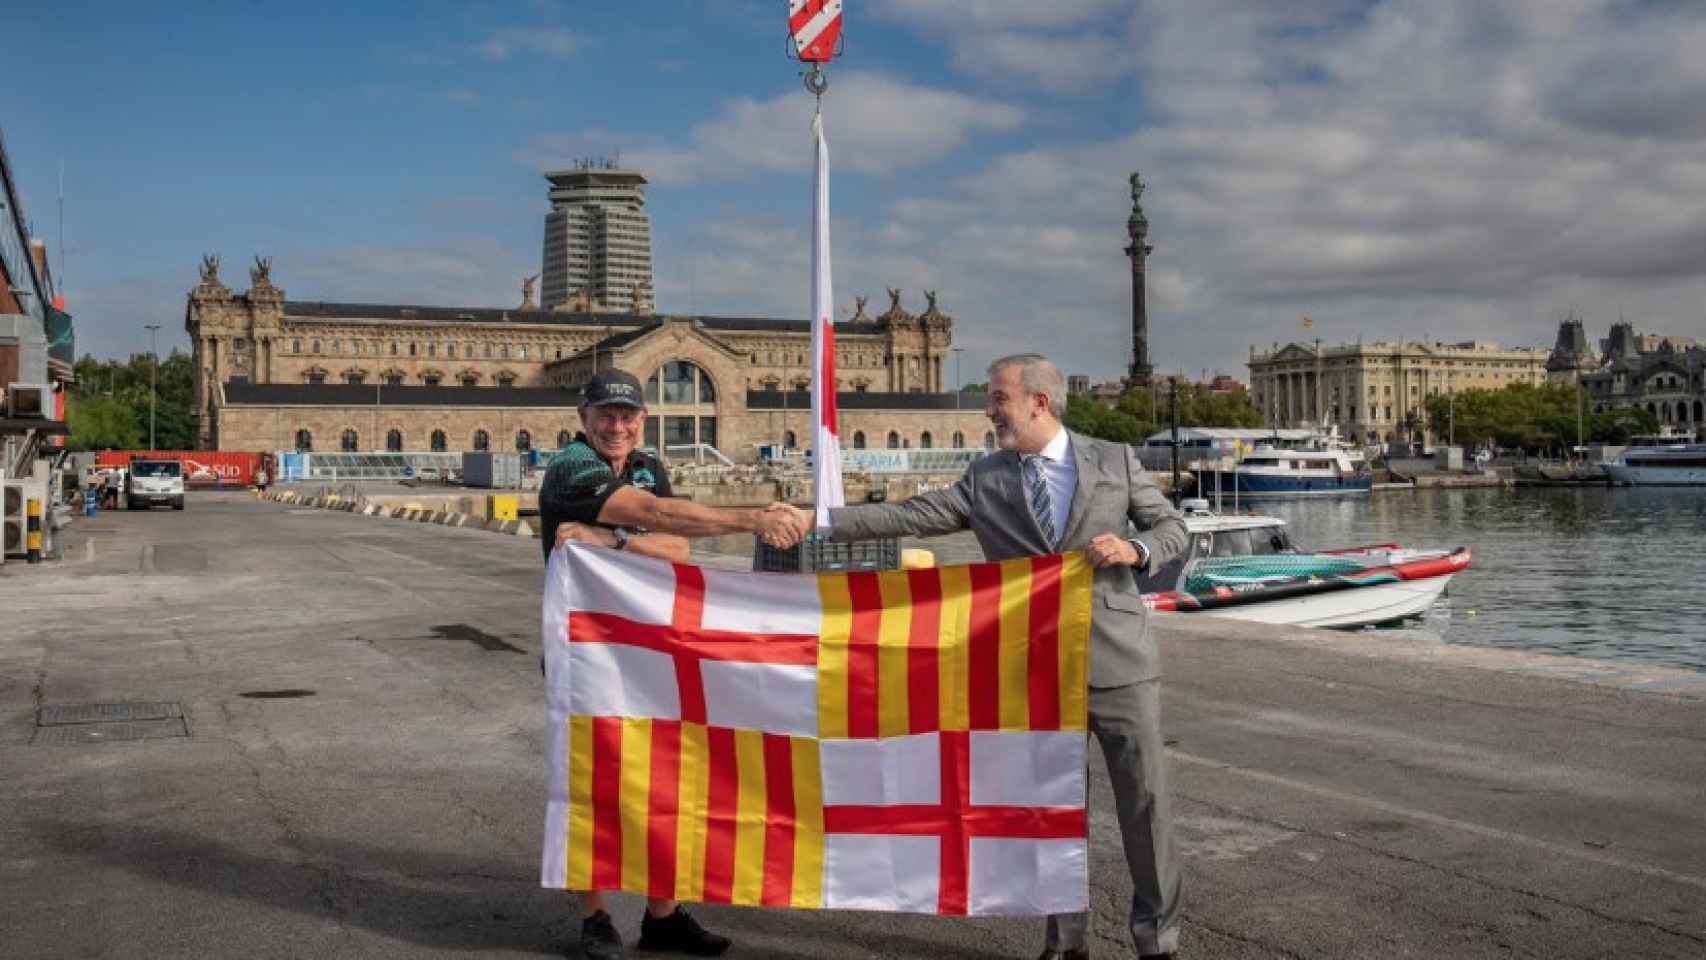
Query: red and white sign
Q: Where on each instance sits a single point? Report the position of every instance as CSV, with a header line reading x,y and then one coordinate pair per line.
x,y
200,466
815,26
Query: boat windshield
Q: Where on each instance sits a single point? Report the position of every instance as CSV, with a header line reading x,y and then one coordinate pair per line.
x,y
1257,542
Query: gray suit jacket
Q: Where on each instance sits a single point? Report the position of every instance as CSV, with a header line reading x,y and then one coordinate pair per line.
x,y
990,501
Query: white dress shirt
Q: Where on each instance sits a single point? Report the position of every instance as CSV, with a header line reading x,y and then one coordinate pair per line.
x,y
1060,472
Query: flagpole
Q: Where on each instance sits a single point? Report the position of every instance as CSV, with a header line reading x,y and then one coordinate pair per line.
x,y
827,487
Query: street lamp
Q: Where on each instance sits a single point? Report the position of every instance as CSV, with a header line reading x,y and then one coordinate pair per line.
x,y
153,380
959,385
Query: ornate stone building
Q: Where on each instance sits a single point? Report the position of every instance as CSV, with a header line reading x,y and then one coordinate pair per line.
x,y
1373,391
1664,375
277,374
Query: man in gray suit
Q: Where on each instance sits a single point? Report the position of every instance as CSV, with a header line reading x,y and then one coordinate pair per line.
x,y
1047,491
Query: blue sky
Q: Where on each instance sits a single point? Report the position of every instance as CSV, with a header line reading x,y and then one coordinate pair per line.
x,y
1437,170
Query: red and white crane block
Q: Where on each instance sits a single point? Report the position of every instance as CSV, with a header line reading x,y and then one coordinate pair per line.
x,y
815,26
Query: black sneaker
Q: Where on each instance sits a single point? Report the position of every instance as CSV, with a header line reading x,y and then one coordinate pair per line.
x,y
599,939
680,933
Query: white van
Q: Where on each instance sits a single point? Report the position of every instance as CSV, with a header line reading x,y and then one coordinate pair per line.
x,y
154,482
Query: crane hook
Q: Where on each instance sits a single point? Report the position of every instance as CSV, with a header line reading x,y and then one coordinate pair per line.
x,y
816,83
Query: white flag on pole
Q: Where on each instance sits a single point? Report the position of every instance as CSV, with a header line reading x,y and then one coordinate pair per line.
x,y
826,437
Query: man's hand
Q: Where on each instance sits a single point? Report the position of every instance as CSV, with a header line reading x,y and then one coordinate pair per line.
x,y
781,525
1108,550
581,533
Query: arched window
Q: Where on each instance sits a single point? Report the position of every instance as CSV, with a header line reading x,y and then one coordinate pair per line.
x,y
350,442
925,440
858,439
438,441
412,348
482,440
316,346
296,345
523,441
959,440
393,348
488,351
1699,411
564,438
682,400
989,440
506,379
894,440
503,351
304,441
394,441
789,441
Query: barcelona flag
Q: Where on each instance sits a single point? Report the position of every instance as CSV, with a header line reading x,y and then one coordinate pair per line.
x,y
905,740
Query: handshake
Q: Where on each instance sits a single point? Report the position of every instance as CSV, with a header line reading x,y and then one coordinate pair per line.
x,y
782,525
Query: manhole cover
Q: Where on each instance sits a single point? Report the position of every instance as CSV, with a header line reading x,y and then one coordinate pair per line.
x,y
54,715
66,723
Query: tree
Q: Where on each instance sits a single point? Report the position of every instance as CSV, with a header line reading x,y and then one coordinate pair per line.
x,y
124,385
101,423
1530,417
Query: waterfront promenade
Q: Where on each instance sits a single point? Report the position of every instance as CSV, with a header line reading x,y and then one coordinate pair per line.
x,y
362,774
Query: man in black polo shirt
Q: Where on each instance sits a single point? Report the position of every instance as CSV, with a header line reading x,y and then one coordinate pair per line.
x,y
601,489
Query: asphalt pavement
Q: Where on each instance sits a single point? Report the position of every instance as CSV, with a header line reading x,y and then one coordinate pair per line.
x,y
341,756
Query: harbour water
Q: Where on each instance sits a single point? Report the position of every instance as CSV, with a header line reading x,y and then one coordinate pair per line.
x,y
1612,573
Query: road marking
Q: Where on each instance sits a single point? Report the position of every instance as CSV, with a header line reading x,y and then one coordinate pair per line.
x,y
1439,820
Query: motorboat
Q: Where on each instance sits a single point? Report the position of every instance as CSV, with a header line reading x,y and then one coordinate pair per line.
x,y
1245,567
1270,472
1675,464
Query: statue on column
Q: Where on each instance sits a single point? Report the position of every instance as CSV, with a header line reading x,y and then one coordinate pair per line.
x,y
527,292
210,269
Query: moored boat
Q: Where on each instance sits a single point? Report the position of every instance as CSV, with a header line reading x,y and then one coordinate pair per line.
x,y
1245,568
1281,473
1680,464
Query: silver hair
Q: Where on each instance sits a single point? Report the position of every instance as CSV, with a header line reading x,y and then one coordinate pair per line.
x,y
1037,374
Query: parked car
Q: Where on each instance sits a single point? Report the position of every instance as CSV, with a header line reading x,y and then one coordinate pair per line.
x,y
154,482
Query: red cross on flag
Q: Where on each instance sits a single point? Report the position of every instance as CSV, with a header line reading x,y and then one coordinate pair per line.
x,y
908,740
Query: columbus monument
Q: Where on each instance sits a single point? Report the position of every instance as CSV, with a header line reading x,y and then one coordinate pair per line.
x,y
1137,227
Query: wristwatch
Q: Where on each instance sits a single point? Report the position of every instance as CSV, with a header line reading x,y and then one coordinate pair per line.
x,y
1142,553
622,538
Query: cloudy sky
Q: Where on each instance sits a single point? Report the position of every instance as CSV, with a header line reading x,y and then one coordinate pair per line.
x,y
1438,169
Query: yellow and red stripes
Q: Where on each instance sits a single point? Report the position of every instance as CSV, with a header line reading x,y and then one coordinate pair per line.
x,y
989,646
681,810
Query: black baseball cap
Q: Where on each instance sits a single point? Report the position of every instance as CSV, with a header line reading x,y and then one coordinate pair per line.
x,y
612,387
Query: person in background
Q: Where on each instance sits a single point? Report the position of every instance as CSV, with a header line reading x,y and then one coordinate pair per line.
x,y
603,490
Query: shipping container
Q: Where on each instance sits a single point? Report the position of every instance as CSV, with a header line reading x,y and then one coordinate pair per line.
x,y
202,468
494,471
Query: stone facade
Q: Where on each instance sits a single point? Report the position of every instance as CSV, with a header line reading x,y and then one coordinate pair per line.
x,y
261,338
1371,391
1666,376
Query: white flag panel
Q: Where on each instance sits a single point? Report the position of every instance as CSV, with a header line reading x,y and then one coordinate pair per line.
x,y
771,697
881,772
1029,769
1021,877
863,872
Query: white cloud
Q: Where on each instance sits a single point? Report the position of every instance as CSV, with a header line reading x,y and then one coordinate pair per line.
x,y
876,125
505,42
1446,170
1062,46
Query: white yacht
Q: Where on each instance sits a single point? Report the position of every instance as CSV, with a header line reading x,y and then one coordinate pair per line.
x,y
1674,464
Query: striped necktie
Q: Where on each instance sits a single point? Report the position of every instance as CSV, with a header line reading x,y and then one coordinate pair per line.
x,y
1042,505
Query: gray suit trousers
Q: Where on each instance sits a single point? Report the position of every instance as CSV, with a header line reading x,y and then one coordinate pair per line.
x,y
1126,721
